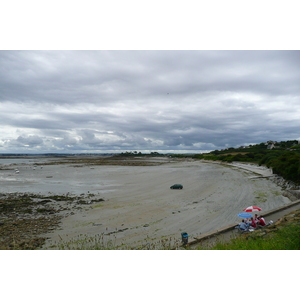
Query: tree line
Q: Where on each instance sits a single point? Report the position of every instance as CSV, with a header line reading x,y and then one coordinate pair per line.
x,y
284,158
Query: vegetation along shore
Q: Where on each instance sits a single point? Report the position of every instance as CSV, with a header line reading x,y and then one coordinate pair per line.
x,y
283,157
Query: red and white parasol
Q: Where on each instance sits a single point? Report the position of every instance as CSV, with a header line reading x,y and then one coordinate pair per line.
x,y
252,208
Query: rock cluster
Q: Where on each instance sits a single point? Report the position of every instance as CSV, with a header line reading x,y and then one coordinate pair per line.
x,y
25,218
285,184
293,195
24,234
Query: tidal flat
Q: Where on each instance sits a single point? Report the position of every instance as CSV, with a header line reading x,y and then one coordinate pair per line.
x,y
126,200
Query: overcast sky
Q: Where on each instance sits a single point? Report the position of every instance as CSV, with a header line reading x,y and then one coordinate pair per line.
x,y
102,101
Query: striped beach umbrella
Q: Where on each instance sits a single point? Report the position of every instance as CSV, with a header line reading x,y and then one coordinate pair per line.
x,y
252,208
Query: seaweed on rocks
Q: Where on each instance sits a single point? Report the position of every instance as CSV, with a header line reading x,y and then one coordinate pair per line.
x,y
25,218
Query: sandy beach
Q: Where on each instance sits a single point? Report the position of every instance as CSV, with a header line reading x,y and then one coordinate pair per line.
x,y
140,207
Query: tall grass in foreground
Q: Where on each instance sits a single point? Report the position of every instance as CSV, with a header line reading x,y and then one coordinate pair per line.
x,y
285,238
102,242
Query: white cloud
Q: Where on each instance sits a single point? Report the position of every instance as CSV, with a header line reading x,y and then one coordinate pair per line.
x,y
167,100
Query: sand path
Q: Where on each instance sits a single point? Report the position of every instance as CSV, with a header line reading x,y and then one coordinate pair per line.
x,y
140,207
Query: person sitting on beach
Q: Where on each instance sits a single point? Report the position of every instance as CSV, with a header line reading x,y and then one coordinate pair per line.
x,y
256,218
248,223
253,223
261,221
243,225
262,218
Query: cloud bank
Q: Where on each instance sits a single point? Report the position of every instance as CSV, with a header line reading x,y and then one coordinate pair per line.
x,y
104,101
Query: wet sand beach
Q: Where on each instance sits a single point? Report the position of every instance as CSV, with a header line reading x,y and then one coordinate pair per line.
x,y
139,205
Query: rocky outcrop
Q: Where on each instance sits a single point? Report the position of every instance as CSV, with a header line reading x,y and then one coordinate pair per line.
x,y
293,195
25,218
285,184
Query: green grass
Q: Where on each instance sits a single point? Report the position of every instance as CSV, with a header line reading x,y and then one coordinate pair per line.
x,y
98,205
285,238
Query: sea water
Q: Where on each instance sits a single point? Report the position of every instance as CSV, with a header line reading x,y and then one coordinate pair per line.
x,y
35,176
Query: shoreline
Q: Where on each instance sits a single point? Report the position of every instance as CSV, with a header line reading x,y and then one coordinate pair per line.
x,y
139,208
196,214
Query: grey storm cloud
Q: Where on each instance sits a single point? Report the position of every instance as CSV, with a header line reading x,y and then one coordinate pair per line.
x,y
89,101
